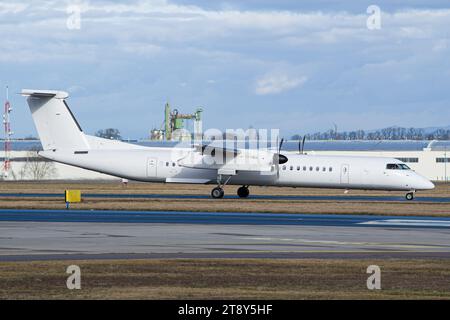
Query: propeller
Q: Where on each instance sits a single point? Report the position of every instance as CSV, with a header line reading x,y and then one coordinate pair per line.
x,y
279,158
301,145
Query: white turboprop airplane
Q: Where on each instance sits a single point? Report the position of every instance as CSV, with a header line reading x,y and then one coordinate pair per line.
x,y
64,141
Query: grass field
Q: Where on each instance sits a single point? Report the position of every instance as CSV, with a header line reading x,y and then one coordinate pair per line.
x,y
226,279
401,207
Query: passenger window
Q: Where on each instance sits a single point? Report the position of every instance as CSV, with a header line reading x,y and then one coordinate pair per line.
x,y
284,167
330,169
310,168
167,164
324,169
298,168
304,168
173,164
291,168
317,168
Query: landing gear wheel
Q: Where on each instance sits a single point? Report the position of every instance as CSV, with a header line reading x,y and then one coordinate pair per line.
x,y
217,193
409,196
243,192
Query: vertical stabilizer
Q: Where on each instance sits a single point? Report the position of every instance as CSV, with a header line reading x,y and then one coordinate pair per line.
x,y
57,127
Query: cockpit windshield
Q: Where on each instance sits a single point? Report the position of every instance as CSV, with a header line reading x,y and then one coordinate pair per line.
x,y
397,166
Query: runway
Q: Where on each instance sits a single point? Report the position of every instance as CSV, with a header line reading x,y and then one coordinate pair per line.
x,y
61,234
233,218
231,196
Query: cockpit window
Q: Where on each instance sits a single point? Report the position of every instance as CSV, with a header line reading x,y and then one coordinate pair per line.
x,y
397,166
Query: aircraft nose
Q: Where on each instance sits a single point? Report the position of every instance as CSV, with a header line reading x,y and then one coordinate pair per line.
x,y
424,184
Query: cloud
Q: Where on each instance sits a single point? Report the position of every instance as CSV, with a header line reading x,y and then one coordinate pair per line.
x,y
277,83
230,57
11,7
146,28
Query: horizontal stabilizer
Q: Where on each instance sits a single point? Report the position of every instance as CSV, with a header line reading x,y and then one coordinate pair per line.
x,y
45,94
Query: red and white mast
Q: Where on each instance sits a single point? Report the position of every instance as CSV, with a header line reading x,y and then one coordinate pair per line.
x,y
8,135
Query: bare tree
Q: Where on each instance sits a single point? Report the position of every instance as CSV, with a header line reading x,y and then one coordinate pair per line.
x,y
36,168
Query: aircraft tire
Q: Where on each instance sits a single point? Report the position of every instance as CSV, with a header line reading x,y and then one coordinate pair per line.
x,y
217,193
243,192
409,196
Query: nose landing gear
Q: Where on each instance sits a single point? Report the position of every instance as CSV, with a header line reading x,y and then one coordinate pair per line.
x,y
409,196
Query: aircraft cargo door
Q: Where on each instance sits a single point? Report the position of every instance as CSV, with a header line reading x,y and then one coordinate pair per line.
x,y
151,167
345,174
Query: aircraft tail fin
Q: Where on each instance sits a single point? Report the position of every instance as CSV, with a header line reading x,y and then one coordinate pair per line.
x,y
55,123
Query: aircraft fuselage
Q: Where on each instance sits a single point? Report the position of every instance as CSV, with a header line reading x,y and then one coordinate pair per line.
x,y
160,165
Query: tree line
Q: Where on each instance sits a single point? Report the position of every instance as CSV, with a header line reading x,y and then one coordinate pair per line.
x,y
391,133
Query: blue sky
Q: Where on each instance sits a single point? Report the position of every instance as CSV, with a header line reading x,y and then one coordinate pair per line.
x,y
299,66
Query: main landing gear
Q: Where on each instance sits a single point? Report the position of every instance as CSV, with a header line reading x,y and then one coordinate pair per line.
x,y
217,192
243,192
409,196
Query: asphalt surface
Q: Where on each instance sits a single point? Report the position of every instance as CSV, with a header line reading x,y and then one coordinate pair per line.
x,y
207,196
233,218
61,234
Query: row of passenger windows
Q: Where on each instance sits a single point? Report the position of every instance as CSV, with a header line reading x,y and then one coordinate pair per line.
x,y
305,168
391,166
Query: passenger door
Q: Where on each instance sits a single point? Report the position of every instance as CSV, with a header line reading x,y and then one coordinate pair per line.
x,y
152,164
345,174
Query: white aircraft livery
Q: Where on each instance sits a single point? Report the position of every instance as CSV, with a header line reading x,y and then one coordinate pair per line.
x,y
64,141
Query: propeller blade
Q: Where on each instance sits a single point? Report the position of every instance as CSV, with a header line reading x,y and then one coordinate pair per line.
x,y
303,144
281,144
281,158
277,158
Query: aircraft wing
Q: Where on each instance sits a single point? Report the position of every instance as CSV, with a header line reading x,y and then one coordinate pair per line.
x,y
213,150
228,160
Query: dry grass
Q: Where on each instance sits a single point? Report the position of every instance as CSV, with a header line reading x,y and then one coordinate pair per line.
x,y
441,190
226,279
224,205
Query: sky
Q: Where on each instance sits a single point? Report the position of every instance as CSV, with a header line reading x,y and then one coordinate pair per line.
x,y
297,66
